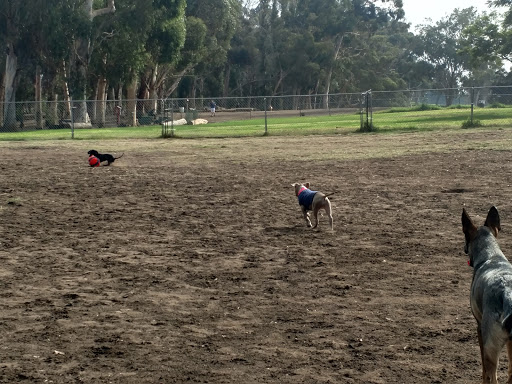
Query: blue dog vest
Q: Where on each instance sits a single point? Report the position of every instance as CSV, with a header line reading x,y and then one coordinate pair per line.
x,y
306,197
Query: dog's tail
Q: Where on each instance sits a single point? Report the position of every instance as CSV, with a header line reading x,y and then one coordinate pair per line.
x,y
330,194
119,156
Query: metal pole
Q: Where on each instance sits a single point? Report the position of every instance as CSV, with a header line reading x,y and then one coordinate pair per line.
x,y
164,129
361,112
371,109
172,118
265,107
367,109
472,103
72,120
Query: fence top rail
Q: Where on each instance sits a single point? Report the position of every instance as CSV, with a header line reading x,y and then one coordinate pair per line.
x,y
446,89
308,96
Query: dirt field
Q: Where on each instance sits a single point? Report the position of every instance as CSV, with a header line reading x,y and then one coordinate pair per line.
x,y
187,261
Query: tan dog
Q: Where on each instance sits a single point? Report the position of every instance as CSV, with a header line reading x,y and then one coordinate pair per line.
x,y
312,201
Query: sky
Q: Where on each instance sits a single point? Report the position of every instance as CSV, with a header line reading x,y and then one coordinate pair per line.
x,y
416,10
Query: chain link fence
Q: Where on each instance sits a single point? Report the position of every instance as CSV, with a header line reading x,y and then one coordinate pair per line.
x,y
351,111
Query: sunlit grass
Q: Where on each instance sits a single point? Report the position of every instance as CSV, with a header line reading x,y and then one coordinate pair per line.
x,y
385,121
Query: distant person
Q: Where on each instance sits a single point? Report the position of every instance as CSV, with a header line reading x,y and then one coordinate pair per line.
x,y
212,108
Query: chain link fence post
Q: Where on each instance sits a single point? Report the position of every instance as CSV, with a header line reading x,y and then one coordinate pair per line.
x,y
366,109
72,116
265,109
472,103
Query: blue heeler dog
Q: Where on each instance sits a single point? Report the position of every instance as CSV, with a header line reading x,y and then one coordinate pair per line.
x,y
491,292
312,201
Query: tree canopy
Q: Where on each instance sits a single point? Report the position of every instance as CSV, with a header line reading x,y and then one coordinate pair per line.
x,y
212,48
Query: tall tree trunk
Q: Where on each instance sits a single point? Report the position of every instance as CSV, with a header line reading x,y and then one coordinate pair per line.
x,y
2,98
141,95
39,103
79,85
94,108
227,76
120,93
177,80
337,49
193,93
111,94
101,101
81,63
52,117
11,81
67,95
130,115
282,75
153,96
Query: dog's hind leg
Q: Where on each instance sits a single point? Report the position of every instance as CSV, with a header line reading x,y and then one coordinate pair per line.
x,y
306,216
490,357
327,207
315,215
507,324
490,367
328,210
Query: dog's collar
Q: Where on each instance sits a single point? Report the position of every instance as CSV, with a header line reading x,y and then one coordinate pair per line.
x,y
301,190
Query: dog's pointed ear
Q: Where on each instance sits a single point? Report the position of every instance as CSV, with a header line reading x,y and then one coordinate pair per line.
x,y
468,227
493,221
306,185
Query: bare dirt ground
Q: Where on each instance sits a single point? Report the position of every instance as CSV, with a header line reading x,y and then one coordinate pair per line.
x,y
187,261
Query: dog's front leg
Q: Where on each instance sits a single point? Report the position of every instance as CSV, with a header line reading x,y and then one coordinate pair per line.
x,y
306,215
490,353
509,351
480,344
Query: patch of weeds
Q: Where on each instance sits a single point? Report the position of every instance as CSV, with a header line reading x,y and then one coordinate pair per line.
x,y
416,108
426,107
497,105
472,124
459,106
368,128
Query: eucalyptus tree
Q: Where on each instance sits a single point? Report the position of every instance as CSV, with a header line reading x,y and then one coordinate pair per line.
x,y
361,40
143,37
58,24
485,39
204,61
241,69
335,37
165,41
442,47
383,61
119,58
37,35
508,12
82,51
16,18
344,38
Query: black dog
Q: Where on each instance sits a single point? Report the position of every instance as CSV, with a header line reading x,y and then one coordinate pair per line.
x,y
104,156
